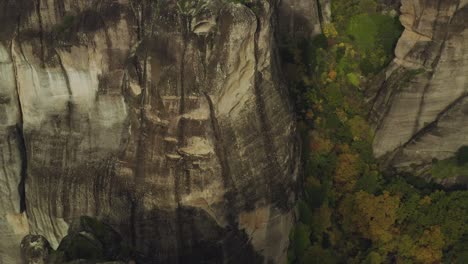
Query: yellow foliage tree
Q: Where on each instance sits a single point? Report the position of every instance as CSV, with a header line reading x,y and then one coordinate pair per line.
x,y
371,216
347,171
430,246
329,30
425,201
332,75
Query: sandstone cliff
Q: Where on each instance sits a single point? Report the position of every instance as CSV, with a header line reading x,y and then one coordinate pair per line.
x,y
167,119
420,106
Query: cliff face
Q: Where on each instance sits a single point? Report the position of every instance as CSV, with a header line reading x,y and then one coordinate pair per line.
x,y
420,108
167,120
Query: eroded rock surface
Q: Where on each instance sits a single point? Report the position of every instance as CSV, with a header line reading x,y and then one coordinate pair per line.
x,y
420,111
167,120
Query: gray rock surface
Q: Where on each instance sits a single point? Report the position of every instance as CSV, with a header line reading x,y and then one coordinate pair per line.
x,y
299,18
420,110
169,121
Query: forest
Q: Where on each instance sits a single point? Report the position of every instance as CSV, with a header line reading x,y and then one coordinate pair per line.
x,y
351,209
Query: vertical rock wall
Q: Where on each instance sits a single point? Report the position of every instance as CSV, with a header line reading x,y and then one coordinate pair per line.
x,y
13,224
168,121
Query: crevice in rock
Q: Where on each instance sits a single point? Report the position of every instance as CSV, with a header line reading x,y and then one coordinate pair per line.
x,y
24,168
276,193
21,138
140,151
319,11
136,11
12,134
184,21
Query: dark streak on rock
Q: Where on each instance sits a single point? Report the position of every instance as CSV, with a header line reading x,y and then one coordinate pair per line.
x,y
184,21
433,66
188,185
388,90
24,168
434,123
41,31
426,129
221,152
133,208
70,93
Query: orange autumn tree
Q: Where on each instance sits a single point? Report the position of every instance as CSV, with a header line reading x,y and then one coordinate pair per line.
x,y
319,143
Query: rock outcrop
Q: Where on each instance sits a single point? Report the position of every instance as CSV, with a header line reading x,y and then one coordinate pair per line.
x,y
88,241
420,110
35,249
167,119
